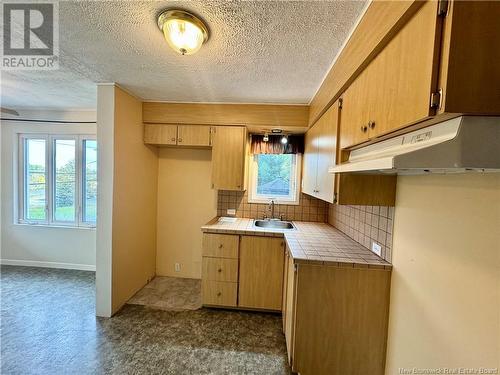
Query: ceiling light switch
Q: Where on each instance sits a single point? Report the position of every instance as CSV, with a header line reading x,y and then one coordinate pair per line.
x,y
231,211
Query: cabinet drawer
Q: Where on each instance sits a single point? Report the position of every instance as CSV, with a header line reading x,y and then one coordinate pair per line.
x,y
220,245
219,293
220,269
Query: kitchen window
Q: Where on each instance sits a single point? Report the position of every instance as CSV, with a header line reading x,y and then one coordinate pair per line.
x,y
274,177
57,180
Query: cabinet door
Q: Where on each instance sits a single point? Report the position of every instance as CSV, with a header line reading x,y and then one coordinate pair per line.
x,y
193,135
284,292
160,134
327,147
404,74
341,318
310,165
261,272
394,90
355,112
290,310
228,157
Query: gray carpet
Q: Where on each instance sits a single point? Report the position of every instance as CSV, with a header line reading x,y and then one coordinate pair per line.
x,y
48,326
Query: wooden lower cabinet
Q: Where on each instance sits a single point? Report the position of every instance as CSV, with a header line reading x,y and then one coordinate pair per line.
x,y
219,293
261,273
242,271
219,284
289,307
336,319
219,269
220,245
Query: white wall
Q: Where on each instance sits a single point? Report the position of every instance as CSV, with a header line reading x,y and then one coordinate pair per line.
x,y
105,155
40,245
445,290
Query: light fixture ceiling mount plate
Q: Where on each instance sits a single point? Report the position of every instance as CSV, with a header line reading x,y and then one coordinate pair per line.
x,y
184,32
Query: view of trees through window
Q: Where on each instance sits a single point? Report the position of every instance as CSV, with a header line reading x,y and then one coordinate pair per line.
x,y
90,181
274,174
63,182
35,179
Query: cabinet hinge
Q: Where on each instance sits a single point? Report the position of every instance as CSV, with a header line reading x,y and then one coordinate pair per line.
x,y
442,8
436,98
341,101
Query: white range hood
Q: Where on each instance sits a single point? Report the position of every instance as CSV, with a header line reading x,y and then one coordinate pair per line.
x,y
462,144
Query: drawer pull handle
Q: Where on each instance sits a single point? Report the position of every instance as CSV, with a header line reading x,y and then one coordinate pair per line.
x,y
371,124
219,294
219,270
220,246
364,128
173,139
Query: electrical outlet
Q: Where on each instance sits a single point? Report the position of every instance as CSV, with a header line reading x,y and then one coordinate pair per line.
x,y
177,267
376,248
231,211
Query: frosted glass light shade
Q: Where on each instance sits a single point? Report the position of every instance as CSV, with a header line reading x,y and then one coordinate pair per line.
x,y
183,32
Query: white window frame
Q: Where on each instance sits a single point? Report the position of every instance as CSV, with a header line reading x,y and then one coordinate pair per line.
x,y
50,180
84,223
293,199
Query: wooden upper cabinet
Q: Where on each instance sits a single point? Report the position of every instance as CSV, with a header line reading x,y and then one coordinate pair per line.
x,y
261,272
404,75
469,76
177,135
228,157
310,162
355,113
395,88
319,155
194,135
160,134
327,146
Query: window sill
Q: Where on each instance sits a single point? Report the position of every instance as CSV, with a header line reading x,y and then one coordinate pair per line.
x,y
276,201
55,226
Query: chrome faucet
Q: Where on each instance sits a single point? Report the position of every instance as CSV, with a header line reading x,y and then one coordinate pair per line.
x,y
271,206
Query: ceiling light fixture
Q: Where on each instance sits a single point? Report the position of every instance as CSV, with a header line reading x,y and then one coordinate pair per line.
x,y
284,139
184,32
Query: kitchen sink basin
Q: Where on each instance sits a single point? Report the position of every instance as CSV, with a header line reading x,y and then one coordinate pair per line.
x,y
274,224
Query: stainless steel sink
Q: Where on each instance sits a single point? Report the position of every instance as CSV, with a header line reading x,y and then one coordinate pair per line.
x,y
274,224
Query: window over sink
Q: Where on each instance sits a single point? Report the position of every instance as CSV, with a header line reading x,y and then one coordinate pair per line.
x,y
274,177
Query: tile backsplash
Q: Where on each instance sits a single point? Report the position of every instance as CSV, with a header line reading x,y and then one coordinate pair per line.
x,y
365,224
309,208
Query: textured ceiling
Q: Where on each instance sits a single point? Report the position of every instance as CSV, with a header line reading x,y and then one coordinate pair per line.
x,y
258,52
